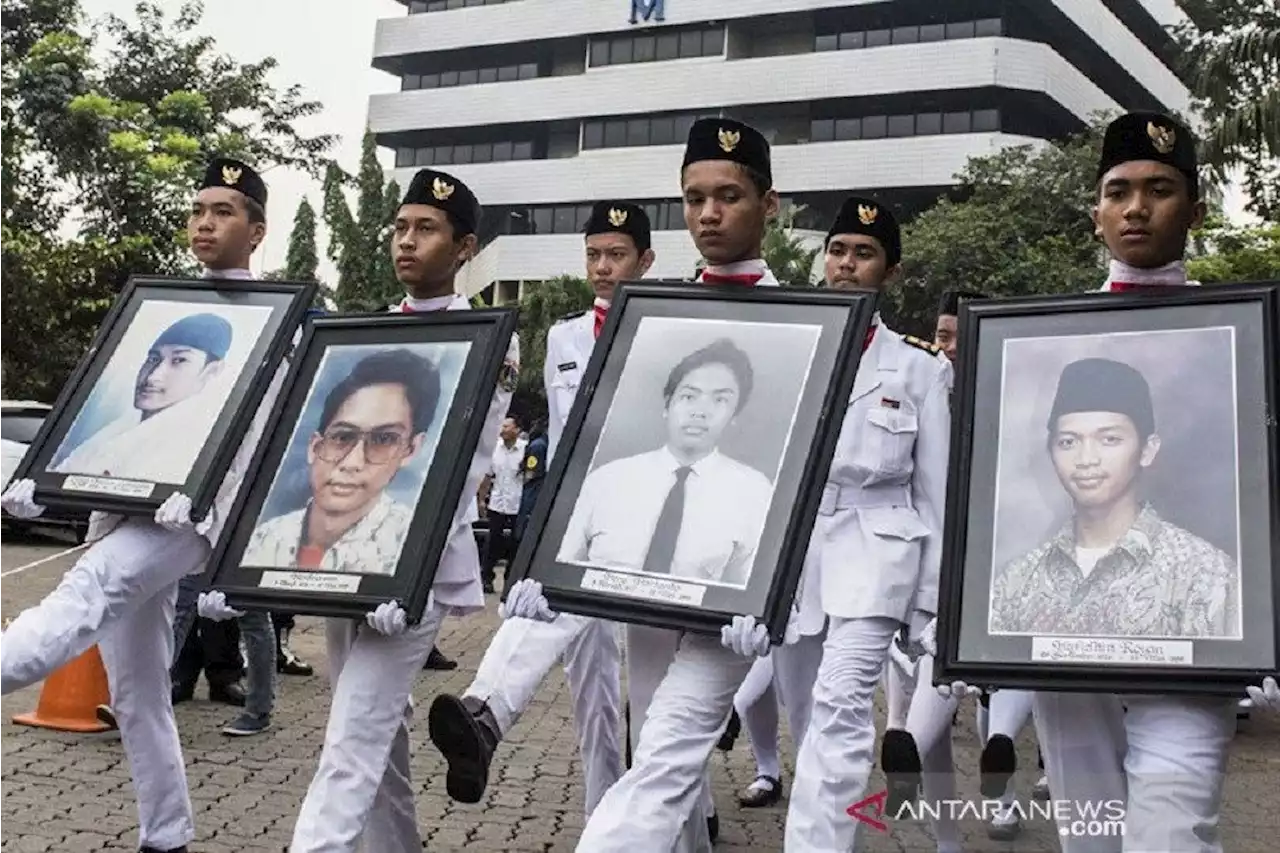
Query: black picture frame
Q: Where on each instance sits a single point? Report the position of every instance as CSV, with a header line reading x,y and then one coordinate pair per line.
x,y
457,426
1194,331
840,321
287,303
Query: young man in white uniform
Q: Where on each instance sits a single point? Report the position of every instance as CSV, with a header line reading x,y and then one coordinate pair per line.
x,y
682,685
362,791
1163,756
120,594
466,730
876,547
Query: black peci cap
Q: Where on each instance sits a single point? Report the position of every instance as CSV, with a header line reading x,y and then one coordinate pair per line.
x,y
235,175
864,216
620,217
1150,136
727,139
949,304
1103,385
444,191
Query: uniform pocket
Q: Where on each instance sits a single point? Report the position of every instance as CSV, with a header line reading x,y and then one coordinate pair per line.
x,y
895,523
888,441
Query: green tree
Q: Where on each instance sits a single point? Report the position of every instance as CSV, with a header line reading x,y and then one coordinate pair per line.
x,y
1221,252
359,242
1020,223
301,260
541,305
787,253
1231,51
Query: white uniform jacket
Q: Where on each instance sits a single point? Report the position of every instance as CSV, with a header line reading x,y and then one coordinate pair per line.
x,y
457,582
877,544
569,345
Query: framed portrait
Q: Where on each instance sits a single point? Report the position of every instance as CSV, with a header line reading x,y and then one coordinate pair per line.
x,y
685,486
164,396
355,494
1113,512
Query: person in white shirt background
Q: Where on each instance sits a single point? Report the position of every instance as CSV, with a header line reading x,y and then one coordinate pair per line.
x,y
505,485
467,729
120,593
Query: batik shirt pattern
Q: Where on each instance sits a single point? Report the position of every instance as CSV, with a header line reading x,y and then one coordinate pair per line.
x,y
1157,581
370,547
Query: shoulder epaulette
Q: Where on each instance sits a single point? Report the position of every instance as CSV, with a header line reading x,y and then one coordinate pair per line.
x,y
919,343
573,315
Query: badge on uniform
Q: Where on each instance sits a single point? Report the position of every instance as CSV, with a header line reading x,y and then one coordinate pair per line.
x,y
531,462
890,403
568,365
509,375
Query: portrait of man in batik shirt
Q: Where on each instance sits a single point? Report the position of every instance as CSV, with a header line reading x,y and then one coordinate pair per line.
x,y
1116,568
371,426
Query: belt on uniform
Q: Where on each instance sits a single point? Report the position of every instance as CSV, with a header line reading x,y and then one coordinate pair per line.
x,y
836,497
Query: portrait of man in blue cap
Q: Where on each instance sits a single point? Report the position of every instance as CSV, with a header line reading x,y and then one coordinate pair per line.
x,y
176,400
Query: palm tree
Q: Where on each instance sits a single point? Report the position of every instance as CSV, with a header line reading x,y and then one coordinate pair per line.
x,y
788,254
1236,75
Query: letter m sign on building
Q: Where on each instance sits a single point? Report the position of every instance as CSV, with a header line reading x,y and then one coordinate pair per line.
x,y
647,9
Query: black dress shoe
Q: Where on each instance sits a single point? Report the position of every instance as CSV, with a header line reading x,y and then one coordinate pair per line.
x,y
900,761
183,693
730,734
466,733
158,850
436,660
759,796
231,693
713,827
996,766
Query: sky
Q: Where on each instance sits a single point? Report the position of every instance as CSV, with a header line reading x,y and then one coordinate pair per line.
x,y
326,46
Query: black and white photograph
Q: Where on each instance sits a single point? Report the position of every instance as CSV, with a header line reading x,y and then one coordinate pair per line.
x,y
170,376
687,480
357,491
1112,493
682,478
161,400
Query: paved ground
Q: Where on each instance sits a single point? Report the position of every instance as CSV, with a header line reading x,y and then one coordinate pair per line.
x,y
72,792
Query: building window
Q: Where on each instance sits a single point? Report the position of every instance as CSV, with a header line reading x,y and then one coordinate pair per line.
x,y
919,124
680,44
911,34
650,130
469,76
476,152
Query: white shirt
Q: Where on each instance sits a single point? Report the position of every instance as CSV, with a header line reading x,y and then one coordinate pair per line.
x,y
724,511
508,484
371,546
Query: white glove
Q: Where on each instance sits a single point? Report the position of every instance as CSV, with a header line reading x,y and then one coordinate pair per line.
x,y
911,639
792,634
213,605
174,514
746,637
929,638
389,619
526,601
1266,697
19,500
958,689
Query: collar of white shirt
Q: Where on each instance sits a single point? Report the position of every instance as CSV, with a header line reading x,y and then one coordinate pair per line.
x,y
754,266
671,463
241,274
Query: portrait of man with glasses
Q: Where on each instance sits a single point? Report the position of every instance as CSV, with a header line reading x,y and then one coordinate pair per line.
x,y
372,425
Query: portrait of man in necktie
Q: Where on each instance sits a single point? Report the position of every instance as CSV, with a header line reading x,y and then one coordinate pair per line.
x,y
683,476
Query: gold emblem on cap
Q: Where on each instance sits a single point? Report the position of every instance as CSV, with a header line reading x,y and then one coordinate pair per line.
x,y
867,213
441,190
230,174
617,218
729,140
1162,138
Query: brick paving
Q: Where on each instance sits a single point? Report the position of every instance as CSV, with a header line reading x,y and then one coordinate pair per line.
x,y
64,792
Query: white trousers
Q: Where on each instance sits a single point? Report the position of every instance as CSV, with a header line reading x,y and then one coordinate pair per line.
x,y
1162,758
682,686
837,753
899,687
120,595
520,656
363,786
793,670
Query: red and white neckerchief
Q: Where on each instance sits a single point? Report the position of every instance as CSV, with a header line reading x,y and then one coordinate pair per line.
x,y
871,336
1122,278
742,273
745,279
601,309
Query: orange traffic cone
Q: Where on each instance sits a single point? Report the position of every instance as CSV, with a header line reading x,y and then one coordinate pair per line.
x,y
71,696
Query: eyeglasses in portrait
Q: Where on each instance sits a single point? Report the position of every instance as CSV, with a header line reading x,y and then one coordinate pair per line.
x,y
366,445
1126,533
148,411
678,488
